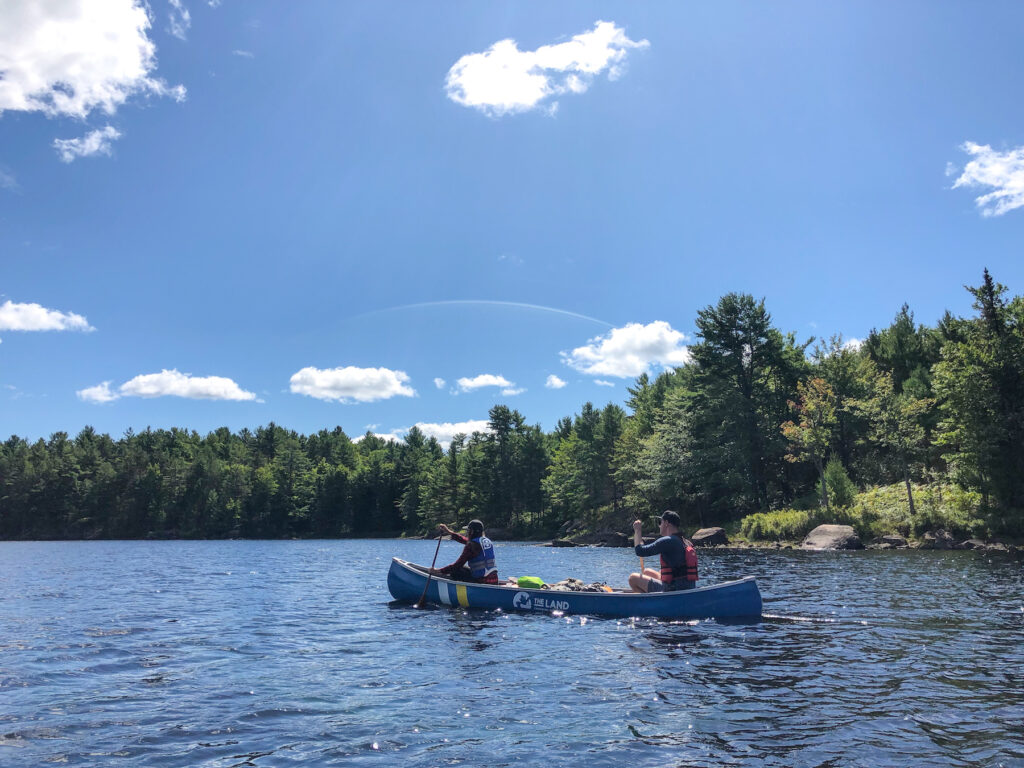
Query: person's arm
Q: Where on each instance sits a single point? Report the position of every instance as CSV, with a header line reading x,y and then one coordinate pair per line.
x,y
656,547
446,531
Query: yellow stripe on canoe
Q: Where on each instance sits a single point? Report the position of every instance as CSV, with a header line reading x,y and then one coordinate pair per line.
x,y
460,591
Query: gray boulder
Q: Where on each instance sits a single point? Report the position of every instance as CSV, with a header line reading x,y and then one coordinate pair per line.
x,y
891,541
970,544
939,539
604,539
709,537
832,537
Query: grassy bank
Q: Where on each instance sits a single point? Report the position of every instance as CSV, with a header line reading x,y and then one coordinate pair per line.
x,y
877,512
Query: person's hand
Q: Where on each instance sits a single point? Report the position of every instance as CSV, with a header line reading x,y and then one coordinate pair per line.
x,y
443,530
637,525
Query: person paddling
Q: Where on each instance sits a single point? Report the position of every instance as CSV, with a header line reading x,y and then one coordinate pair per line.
x,y
476,563
678,558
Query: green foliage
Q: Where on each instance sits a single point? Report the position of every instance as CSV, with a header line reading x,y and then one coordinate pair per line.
x,y
810,438
788,524
841,490
580,479
980,383
884,510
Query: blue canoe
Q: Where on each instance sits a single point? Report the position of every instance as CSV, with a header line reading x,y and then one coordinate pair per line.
x,y
729,600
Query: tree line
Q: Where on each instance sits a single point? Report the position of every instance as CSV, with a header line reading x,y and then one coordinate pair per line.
x,y
757,420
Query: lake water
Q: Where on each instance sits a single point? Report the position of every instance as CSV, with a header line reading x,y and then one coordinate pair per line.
x,y
257,653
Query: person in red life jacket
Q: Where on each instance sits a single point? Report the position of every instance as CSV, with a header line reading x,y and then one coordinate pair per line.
x,y
678,558
476,563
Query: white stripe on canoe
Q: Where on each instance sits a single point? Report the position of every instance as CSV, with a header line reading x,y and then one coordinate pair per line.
x,y
443,593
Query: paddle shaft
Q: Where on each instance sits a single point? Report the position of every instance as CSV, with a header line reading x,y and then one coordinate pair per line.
x,y
423,597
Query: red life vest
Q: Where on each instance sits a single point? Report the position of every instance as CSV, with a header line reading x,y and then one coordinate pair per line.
x,y
686,572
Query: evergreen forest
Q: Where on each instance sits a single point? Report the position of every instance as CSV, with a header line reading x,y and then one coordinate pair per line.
x,y
917,427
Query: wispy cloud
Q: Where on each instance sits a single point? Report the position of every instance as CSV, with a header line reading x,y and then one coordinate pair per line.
x,y
483,380
505,80
35,317
603,383
630,350
93,143
244,54
487,303
7,180
513,391
351,384
1002,172
168,384
554,382
71,57
439,383
180,19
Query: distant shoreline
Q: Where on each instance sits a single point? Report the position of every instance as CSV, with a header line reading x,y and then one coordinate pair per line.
x,y
999,546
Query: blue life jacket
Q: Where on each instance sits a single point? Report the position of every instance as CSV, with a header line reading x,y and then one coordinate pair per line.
x,y
483,564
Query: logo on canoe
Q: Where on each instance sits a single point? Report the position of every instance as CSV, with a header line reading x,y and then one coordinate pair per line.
x,y
523,602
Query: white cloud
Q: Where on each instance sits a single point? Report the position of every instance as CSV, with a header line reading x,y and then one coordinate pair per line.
x,y
93,143
443,433
244,54
505,80
513,391
391,437
7,180
101,393
603,383
34,317
349,384
554,382
853,344
184,385
439,383
1003,172
169,383
483,380
629,351
180,19
71,57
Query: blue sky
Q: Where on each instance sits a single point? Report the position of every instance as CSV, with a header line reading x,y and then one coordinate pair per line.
x,y
376,215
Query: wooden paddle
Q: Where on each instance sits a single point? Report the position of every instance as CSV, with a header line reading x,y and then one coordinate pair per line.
x,y
423,597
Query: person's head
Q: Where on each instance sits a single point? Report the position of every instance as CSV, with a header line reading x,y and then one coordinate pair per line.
x,y
670,522
475,528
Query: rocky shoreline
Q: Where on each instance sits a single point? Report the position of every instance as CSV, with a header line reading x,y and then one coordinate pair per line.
x,y
824,537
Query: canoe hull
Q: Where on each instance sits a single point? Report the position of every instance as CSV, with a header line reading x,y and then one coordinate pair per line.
x,y
729,600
